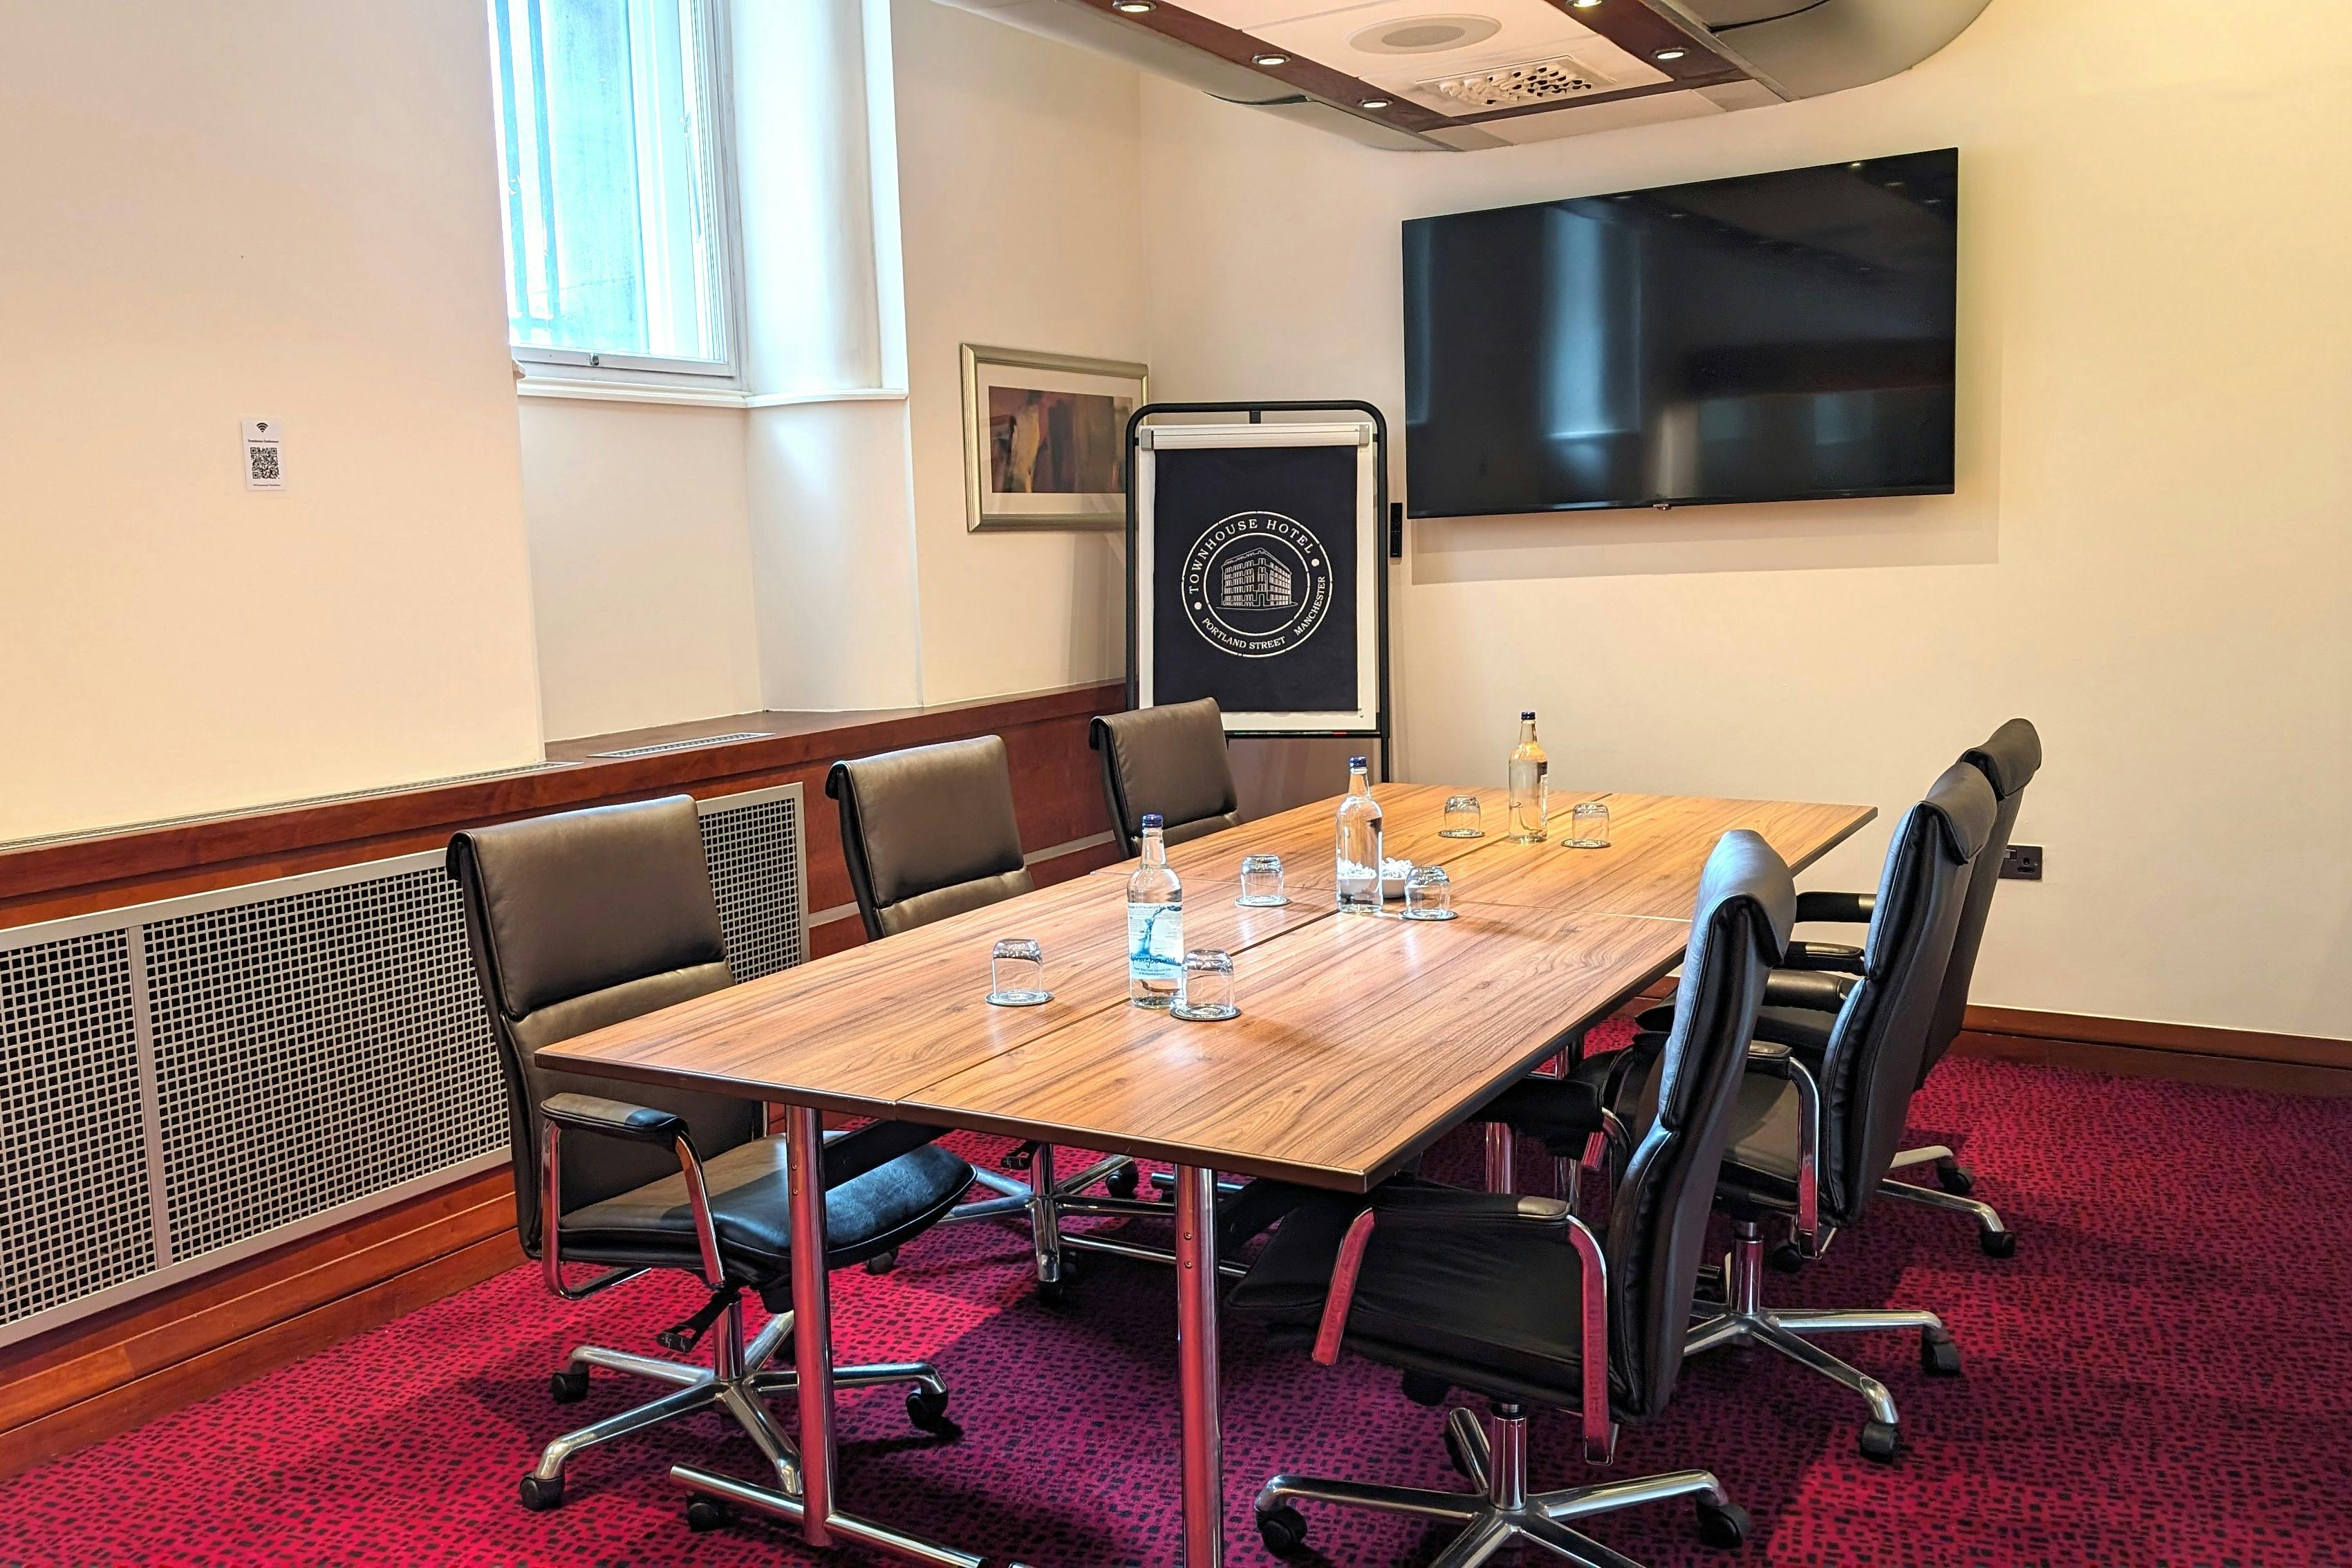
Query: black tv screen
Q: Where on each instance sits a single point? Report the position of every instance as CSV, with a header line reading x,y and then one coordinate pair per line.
x,y
1782,337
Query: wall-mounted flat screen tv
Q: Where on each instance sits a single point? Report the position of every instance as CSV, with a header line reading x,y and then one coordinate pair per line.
x,y
1782,337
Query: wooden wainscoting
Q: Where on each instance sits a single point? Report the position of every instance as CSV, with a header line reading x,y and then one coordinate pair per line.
x,y
108,1372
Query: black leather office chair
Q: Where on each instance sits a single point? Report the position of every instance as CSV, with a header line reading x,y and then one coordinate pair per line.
x,y
1801,1004
1812,1143
589,917
1516,1299
930,832
1171,760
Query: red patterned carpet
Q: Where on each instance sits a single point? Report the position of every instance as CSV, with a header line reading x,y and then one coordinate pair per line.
x,y
2159,1376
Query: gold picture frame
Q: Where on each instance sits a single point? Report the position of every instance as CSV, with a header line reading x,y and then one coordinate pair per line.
x,y
1045,438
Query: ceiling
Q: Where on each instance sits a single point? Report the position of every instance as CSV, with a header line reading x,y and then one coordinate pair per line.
x,y
1466,74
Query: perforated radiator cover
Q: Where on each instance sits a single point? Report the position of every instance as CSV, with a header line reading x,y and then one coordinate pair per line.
x,y
185,1083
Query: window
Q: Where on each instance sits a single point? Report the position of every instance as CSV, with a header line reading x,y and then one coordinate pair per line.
x,y
612,159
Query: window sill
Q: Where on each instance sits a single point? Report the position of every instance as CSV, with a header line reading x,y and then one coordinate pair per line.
x,y
612,391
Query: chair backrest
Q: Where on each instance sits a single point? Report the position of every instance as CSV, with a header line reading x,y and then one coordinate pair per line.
x,y
580,919
2008,761
1657,1222
928,832
1171,760
1876,1046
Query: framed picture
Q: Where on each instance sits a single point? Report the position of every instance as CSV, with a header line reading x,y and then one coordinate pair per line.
x,y
1045,438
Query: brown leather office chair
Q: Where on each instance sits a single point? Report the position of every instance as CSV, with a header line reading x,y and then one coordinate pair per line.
x,y
928,832
1171,760
588,918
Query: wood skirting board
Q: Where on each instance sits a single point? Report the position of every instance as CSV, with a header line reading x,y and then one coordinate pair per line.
x,y
2185,1053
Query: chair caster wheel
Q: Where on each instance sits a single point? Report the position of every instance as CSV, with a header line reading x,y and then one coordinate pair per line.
x,y
1055,1292
1939,1356
928,1410
1124,1181
882,1262
1723,1525
568,1386
1284,1530
1881,1441
1998,1243
1423,1389
539,1496
1786,1258
705,1514
1955,1178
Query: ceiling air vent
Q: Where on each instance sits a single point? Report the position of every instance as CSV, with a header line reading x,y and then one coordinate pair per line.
x,y
1538,82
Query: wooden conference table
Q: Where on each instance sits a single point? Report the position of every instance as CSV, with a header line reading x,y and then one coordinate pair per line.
x,y
1361,1040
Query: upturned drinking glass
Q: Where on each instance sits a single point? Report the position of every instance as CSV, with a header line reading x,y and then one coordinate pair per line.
x,y
1429,894
1262,882
1208,997
1588,827
1017,975
1464,818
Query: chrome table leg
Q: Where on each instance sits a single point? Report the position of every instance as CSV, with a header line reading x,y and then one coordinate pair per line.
x,y
811,1316
1203,1456
1502,1157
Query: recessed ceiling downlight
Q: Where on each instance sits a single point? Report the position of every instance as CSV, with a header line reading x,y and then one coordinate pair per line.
x,y
1424,35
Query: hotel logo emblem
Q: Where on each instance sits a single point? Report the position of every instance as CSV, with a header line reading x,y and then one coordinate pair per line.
x,y
1256,584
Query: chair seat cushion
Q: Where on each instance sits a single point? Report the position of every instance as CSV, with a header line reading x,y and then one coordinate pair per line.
x,y
750,1209
1494,1310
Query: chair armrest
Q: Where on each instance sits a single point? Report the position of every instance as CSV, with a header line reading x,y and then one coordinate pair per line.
x,y
871,1147
1408,1210
635,1124
1815,990
613,1118
1777,1060
1832,955
1837,908
1560,1112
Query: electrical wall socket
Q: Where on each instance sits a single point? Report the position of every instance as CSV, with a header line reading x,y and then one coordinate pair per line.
x,y
2022,863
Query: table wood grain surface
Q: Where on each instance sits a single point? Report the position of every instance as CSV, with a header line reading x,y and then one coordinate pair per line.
x,y
1362,1038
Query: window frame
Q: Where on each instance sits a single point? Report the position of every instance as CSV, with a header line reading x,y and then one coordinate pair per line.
x,y
548,371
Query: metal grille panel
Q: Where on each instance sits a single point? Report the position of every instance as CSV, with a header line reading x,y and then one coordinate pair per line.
x,y
313,1049
754,851
659,748
197,1081
73,1157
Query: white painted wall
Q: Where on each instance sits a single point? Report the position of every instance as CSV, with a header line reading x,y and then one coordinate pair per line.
x,y
2149,555
280,208
993,197
1021,207
641,563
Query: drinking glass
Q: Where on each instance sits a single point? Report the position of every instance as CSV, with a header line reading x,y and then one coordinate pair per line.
x,y
1017,975
1588,827
1464,818
1208,995
1262,882
1429,894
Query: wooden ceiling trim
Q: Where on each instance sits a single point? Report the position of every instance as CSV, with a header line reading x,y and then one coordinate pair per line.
x,y
1299,74
1640,27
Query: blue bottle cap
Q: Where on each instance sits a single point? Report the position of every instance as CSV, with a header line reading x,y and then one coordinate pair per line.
x,y
1360,762
1527,714
1153,819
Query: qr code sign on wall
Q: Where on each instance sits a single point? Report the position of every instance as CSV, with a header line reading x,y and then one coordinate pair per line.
x,y
264,467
